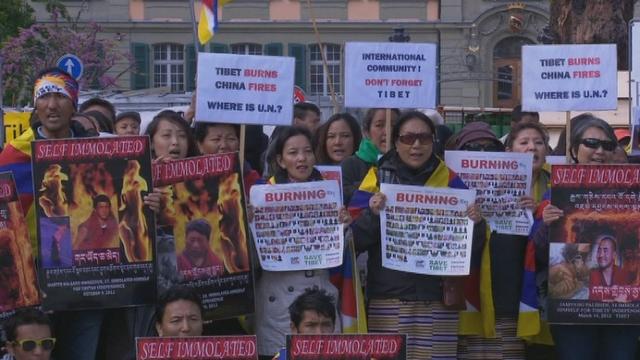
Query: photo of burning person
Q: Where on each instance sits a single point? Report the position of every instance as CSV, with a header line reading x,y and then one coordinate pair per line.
x,y
52,199
133,230
18,286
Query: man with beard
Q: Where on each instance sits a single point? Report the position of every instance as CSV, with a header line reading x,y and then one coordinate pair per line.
x,y
100,230
197,260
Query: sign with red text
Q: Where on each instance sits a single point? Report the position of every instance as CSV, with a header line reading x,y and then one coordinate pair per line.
x,y
352,347
331,172
18,283
500,180
426,230
96,236
569,77
245,89
390,75
205,238
594,256
197,348
295,226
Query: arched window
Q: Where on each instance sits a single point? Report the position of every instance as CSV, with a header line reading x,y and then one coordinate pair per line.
x,y
507,66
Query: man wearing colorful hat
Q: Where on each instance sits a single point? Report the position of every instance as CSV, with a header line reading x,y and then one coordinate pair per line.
x,y
55,97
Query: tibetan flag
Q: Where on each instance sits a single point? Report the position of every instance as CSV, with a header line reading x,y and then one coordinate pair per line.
x,y
209,19
16,157
347,280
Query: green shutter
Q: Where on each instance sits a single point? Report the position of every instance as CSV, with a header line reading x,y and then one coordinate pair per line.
x,y
191,67
219,48
273,49
140,75
299,52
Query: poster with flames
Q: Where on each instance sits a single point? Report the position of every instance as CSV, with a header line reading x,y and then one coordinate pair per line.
x,y
96,237
594,249
204,242
18,283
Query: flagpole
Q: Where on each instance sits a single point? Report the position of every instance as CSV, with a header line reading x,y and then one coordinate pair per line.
x,y
324,58
196,43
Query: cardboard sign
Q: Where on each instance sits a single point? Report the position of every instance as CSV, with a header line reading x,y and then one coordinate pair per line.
x,y
500,180
15,123
569,77
96,237
245,89
197,348
204,195
390,75
594,277
296,227
352,347
426,230
18,284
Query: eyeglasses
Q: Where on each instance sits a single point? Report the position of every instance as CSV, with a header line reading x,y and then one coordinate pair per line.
x,y
591,143
492,146
410,138
27,345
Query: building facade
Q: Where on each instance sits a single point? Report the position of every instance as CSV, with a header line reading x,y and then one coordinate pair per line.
x,y
479,40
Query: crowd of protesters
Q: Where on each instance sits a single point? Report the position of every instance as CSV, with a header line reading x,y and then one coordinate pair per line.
x,y
306,301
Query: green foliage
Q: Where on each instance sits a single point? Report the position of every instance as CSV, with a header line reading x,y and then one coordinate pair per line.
x,y
14,15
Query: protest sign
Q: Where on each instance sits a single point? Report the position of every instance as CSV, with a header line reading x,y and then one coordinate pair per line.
x,y
594,262
331,172
96,237
500,180
296,227
390,75
18,284
197,348
15,123
205,244
569,77
245,89
426,230
352,347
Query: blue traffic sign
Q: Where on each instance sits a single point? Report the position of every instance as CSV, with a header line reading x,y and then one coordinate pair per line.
x,y
71,64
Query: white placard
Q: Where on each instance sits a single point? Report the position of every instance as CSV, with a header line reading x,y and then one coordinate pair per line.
x,y
500,180
569,77
556,159
245,89
331,172
295,226
425,230
389,75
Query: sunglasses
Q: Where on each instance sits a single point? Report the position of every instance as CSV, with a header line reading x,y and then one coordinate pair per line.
x,y
592,143
410,138
492,146
27,345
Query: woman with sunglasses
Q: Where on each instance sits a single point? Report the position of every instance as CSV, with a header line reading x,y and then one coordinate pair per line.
x,y
592,142
402,302
275,291
28,335
507,251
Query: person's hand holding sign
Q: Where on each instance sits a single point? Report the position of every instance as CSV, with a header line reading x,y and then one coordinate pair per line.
x,y
377,203
473,212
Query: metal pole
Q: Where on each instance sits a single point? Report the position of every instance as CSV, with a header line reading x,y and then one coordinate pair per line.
x,y
196,43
